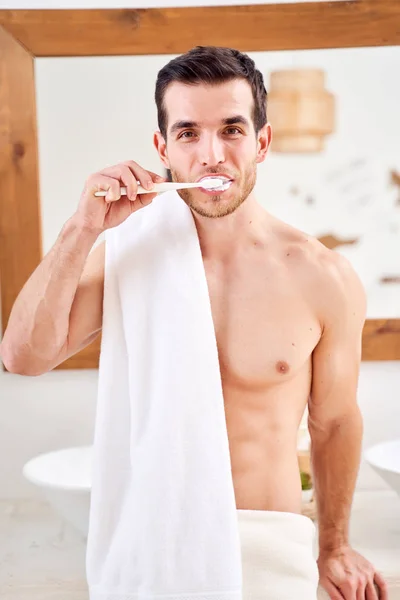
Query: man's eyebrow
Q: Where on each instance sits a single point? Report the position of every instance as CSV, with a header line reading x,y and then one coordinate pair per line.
x,y
190,124
183,125
236,119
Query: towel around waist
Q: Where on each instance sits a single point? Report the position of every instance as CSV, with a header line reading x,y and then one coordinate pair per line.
x,y
269,530
278,555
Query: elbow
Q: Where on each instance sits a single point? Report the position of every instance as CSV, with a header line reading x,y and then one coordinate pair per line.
x,y
14,363
348,424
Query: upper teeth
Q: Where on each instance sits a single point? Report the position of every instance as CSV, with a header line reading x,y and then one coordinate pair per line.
x,y
216,183
216,177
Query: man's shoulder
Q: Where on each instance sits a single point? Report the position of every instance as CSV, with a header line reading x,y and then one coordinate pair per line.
x,y
325,264
328,277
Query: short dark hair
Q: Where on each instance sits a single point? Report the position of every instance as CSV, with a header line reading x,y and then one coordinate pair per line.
x,y
212,65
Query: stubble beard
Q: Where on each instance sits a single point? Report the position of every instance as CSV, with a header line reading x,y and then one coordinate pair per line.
x,y
216,207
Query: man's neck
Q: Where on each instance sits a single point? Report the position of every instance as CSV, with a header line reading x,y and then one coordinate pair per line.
x,y
221,237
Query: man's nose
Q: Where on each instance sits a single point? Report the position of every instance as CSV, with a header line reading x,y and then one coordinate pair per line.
x,y
211,151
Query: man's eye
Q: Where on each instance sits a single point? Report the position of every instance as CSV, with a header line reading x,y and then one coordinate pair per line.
x,y
186,134
233,130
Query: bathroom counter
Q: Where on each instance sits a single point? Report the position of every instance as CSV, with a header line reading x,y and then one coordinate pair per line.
x,y
375,533
41,558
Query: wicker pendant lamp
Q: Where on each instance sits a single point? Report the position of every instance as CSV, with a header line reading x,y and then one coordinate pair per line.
x,y
300,110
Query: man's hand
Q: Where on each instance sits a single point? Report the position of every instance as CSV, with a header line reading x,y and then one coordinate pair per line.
x,y
346,575
96,214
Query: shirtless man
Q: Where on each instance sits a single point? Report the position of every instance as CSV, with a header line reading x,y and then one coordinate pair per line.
x,y
288,312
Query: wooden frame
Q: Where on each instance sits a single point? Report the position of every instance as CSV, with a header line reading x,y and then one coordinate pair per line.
x,y
26,34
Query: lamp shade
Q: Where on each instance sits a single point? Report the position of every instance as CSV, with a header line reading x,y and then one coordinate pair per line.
x,y
300,110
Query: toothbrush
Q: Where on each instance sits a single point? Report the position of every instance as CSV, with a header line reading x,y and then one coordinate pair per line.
x,y
208,184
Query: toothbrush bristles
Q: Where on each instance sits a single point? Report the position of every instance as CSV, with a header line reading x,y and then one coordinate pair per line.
x,y
213,182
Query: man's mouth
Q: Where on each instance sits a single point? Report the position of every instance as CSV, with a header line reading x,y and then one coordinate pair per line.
x,y
226,183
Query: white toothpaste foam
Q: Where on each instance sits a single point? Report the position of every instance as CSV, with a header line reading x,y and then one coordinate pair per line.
x,y
215,183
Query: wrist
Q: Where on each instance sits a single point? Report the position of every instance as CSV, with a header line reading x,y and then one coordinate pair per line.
x,y
81,229
332,543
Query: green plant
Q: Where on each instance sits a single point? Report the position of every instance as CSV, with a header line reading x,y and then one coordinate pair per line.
x,y
306,483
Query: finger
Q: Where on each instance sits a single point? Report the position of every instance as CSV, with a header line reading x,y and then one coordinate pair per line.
x,y
124,174
141,174
371,592
361,592
349,589
98,183
333,591
157,178
382,586
145,199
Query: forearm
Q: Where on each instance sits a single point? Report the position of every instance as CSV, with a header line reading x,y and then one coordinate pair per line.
x,y
38,325
335,458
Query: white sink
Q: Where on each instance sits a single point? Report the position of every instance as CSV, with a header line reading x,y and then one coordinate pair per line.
x,y
384,458
64,477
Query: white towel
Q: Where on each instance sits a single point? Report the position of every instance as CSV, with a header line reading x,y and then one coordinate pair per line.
x,y
278,555
163,515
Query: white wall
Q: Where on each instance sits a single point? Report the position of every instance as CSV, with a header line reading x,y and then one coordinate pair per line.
x,y
91,113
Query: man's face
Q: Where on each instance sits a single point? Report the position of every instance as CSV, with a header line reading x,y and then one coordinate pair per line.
x,y
210,131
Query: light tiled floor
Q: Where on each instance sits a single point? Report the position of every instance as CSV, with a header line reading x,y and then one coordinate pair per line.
x,y
41,558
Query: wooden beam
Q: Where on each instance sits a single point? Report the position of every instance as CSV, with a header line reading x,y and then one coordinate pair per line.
x,y
175,30
20,232
30,33
20,215
381,339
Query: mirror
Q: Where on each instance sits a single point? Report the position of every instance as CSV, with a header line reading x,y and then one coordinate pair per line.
x,y
347,194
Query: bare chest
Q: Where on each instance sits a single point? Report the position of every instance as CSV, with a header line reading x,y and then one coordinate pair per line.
x,y
265,326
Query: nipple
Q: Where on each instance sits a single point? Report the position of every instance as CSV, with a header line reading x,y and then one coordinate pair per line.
x,y
282,366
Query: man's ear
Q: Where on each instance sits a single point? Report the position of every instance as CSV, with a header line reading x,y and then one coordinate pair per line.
x,y
264,139
161,146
